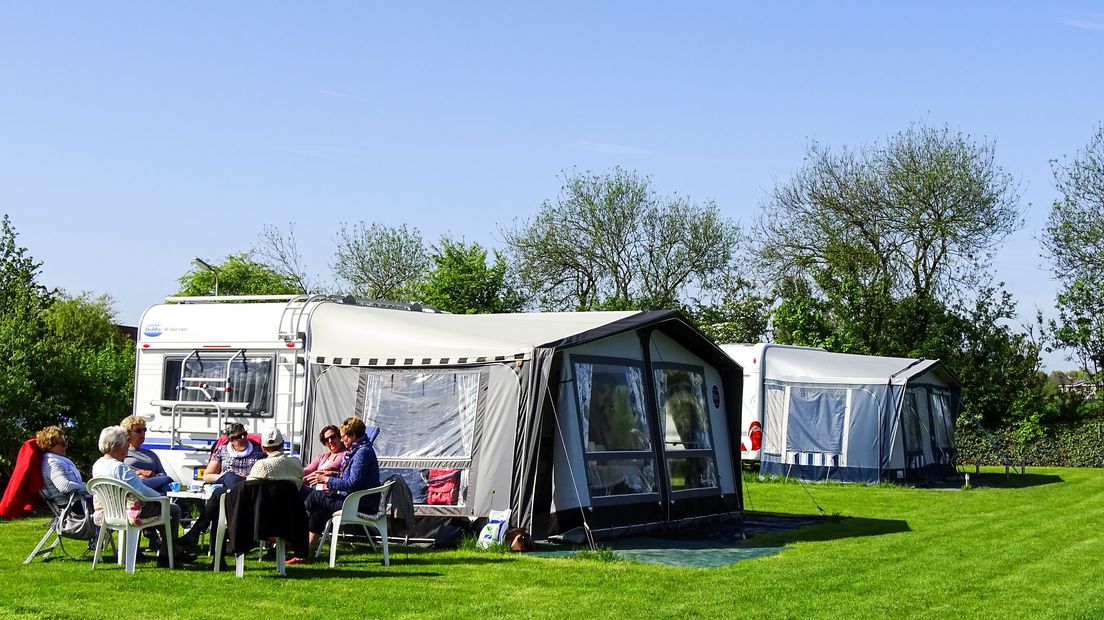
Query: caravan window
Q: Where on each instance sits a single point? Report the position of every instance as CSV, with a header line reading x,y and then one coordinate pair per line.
x,y
609,396
815,422
249,377
687,437
680,394
774,412
611,406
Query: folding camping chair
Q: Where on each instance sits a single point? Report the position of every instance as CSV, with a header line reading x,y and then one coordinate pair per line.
x,y
56,535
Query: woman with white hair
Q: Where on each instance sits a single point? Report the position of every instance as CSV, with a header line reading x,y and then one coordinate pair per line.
x,y
113,444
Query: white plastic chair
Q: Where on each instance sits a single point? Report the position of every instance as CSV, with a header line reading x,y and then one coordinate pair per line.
x,y
349,515
220,538
111,494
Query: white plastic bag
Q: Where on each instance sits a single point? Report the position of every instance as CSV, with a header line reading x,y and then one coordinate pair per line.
x,y
498,521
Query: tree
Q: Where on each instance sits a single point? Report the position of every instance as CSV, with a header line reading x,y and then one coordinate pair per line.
x,y
920,215
608,241
93,369
62,360
280,253
379,261
1074,242
739,314
239,274
85,321
887,250
461,282
25,350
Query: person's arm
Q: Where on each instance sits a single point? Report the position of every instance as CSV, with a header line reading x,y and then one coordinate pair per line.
x,y
60,476
158,468
127,475
344,483
214,468
362,473
310,469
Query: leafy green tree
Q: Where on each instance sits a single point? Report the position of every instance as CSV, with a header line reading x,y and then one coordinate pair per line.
x,y
62,360
740,315
609,240
239,274
462,282
920,215
380,262
1074,242
887,250
25,351
93,380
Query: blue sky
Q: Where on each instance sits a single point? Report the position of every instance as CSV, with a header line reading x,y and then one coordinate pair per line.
x,y
134,136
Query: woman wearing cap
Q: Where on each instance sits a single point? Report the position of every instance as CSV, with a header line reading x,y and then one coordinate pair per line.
x,y
276,465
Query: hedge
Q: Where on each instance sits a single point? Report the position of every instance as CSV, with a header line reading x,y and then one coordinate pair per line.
x,y
1074,444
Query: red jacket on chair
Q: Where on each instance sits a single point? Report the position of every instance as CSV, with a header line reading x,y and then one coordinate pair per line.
x,y
21,494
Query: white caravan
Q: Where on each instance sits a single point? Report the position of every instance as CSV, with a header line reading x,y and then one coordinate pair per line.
x,y
750,358
602,419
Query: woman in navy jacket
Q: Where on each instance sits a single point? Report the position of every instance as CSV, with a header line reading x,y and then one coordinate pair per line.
x,y
359,471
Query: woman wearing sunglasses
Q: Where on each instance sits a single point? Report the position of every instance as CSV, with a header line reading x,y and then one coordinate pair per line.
x,y
144,462
327,464
230,464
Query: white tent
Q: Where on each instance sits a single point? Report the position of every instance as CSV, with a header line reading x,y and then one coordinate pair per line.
x,y
854,417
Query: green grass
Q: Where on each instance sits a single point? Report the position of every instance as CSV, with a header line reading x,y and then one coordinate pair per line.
x,y
1029,547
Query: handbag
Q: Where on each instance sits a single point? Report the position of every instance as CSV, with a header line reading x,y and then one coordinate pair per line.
x,y
75,520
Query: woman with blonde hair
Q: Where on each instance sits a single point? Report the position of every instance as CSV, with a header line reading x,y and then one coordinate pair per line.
x,y
144,462
60,477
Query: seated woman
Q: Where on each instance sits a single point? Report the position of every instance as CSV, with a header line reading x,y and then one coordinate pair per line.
x,y
113,444
60,477
230,464
144,462
359,471
328,463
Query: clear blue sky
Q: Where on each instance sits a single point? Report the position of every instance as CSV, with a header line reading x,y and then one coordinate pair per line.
x,y
134,136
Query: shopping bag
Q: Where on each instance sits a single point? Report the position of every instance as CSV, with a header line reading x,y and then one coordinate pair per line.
x,y
497,523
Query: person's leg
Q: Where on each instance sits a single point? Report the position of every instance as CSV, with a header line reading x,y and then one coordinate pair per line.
x,y
150,509
320,509
206,517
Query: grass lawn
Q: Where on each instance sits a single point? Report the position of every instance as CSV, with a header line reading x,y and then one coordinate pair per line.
x,y
1029,547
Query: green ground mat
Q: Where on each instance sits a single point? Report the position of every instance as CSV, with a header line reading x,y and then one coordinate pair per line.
x,y
690,553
